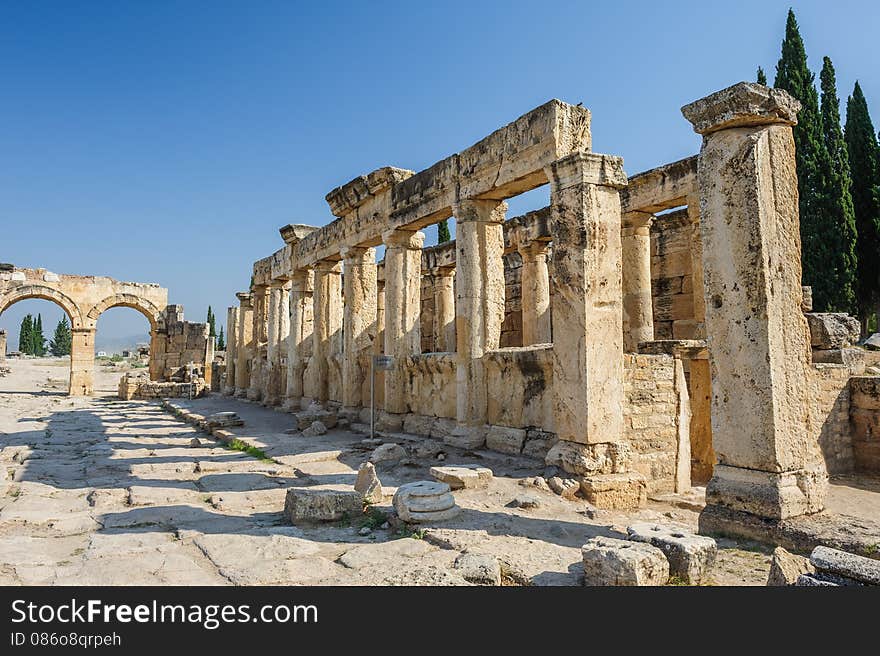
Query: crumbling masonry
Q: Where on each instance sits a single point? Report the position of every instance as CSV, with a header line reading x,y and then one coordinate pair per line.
x,y
640,333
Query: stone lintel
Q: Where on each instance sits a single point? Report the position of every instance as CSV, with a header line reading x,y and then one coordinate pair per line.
x,y
346,198
661,188
483,211
587,168
745,104
294,232
245,298
688,349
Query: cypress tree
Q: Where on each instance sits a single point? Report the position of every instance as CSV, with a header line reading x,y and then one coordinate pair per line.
x,y
61,340
864,159
762,77
837,227
39,341
443,232
212,331
221,341
24,335
793,75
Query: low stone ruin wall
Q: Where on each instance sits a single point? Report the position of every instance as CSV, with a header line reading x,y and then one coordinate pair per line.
x,y
830,415
865,418
432,385
140,387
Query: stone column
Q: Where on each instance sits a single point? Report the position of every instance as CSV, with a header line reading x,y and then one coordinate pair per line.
x,y
403,275
769,462
244,344
379,344
586,270
231,346
359,324
300,335
443,280
2,346
535,292
279,327
479,309
259,367
327,301
82,361
638,311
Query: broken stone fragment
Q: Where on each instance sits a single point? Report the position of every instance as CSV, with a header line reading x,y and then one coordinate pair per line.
x,y
691,557
842,563
308,505
463,476
786,567
317,428
832,330
481,569
609,561
195,442
589,459
564,487
525,501
873,342
368,483
223,420
424,501
308,417
615,491
388,452
506,440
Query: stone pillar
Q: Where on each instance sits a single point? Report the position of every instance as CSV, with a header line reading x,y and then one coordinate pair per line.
x,y
231,349
403,276
2,346
327,301
379,344
693,210
535,292
259,354
359,324
158,346
279,327
82,361
299,337
443,280
769,462
638,311
479,309
586,271
244,344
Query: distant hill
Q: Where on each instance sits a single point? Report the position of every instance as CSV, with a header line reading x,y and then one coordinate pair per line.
x,y
113,344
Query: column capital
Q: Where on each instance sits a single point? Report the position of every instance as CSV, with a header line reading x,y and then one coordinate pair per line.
x,y
485,211
632,221
409,239
586,168
358,255
328,266
245,299
301,280
742,105
529,249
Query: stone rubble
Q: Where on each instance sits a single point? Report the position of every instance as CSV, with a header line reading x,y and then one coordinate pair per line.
x,y
691,557
786,568
368,483
609,561
311,505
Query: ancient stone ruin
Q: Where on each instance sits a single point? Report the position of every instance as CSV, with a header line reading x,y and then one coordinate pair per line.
x,y
643,333
179,350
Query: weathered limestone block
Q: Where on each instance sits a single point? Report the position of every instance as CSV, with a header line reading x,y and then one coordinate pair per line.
x,y
638,313
615,491
749,223
388,452
417,424
463,476
480,569
608,561
309,505
466,437
567,488
832,330
841,563
691,557
368,483
505,439
316,428
359,288
424,501
590,459
785,568
223,420
312,414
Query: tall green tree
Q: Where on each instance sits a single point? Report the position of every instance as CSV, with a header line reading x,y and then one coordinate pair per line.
x,y
25,335
61,339
836,221
443,232
212,330
793,75
864,159
221,340
762,77
39,340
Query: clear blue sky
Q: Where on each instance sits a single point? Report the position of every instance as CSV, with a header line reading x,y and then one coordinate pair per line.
x,y
167,141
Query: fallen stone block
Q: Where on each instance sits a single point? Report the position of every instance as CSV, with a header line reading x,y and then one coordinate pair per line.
x,y
368,483
317,428
223,420
505,440
810,581
388,452
832,330
424,501
873,342
842,563
615,491
308,417
481,569
466,437
525,501
691,557
463,476
608,561
564,487
307,505
786,567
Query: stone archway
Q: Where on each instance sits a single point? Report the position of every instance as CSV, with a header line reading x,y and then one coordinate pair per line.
x,y
145,307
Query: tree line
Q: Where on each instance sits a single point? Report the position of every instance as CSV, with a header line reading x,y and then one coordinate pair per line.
x,y
838,172
32,342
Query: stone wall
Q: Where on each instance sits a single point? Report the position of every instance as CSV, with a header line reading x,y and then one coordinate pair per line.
x,y
520,379
431,390
181,343
139,386
671,276
511,327
830,415
865,419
